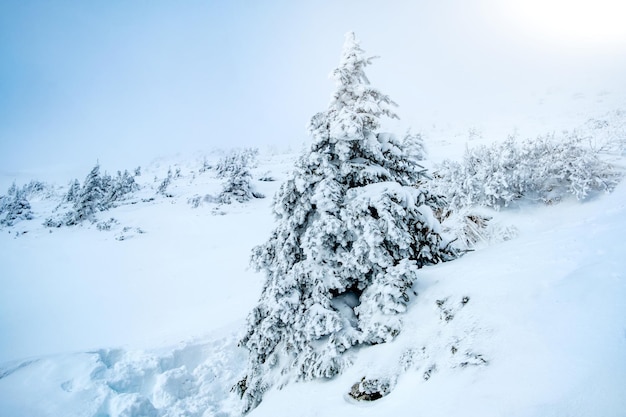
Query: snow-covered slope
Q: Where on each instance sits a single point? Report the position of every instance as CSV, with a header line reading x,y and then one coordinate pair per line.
x,y
542,331
163,272
144,319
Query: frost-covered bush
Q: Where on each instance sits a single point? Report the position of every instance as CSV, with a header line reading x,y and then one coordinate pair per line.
x,y
205,166
197,200
235,168
471,227
267,177
608,131
107,224
371,389
544,169
235,159
354,226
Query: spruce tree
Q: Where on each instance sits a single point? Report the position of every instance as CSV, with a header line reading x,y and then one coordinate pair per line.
x,y
73,192
90,200
121,186
235,168
354,225
16,209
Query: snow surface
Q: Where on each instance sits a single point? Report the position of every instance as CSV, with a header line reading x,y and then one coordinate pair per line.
x,y
144,319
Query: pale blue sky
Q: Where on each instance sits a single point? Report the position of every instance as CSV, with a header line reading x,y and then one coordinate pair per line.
x,y
126,81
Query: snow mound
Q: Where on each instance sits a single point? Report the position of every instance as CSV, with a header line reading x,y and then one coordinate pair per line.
x,y
192,379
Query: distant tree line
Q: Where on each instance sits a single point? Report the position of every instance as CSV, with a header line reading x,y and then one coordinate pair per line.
x,y
99,192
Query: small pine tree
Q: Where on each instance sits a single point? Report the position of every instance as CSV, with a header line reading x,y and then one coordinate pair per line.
x,y
162,189
354,225
235,167
414,145
34,187
73,192
17,208
121,186
90,200
205,166
106,184
235,159
12,189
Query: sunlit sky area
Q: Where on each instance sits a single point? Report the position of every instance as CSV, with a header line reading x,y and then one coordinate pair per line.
x,y
125,81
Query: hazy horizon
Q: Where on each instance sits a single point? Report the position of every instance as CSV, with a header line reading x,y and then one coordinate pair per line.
x,y
123,83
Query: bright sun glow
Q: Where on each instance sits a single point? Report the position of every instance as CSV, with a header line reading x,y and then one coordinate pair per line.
x,y
578,22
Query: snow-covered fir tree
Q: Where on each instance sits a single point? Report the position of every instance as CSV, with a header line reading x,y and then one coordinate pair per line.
x,y
99,192
91,199
414,146
235,168
234,159
354,226
73,192
15,207
162,189
12,189
121,186
106,185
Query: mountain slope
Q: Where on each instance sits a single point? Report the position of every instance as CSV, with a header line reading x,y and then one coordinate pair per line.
x,y
532,326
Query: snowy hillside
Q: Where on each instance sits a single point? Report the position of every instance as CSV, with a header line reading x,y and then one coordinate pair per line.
x,y
163,271
194,223
143,319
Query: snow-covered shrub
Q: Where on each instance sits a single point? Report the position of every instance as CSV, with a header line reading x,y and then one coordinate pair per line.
x,y
371,389
107,224
474,133
578,169
197,200
235,168
471,227
205,166
608,132
543,169
267,177
355,224
235,159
